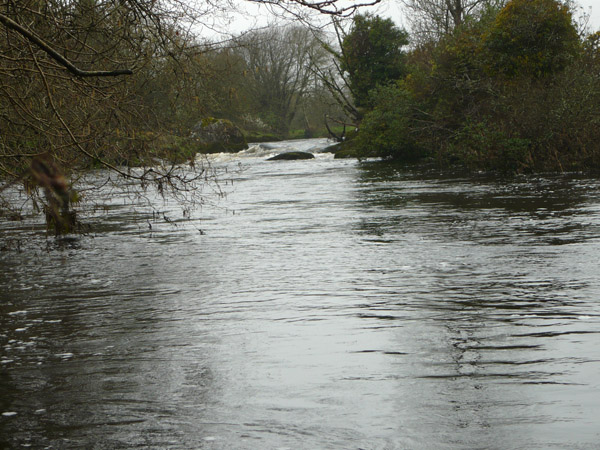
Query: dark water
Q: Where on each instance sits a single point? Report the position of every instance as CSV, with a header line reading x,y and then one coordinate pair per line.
x,y
326,305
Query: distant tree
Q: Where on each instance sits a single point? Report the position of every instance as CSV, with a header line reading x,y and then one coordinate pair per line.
x,y
336,83
533,38
432,19
372,55
279,75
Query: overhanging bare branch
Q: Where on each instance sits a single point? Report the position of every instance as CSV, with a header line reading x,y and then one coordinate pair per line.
x,y
31,37
331,7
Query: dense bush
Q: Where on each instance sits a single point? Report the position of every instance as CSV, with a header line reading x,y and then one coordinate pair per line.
x,y
388,130
514,89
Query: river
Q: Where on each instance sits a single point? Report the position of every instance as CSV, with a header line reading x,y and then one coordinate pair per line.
x,y
319,304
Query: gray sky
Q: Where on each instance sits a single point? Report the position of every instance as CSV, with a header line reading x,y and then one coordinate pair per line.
x,y
252,15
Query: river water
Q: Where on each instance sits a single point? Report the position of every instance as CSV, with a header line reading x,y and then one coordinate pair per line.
x,y
321,304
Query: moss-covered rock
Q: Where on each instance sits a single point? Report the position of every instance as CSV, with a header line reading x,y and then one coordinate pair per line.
x,y
218,135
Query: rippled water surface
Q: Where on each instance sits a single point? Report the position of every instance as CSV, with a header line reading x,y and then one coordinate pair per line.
x,y
322,304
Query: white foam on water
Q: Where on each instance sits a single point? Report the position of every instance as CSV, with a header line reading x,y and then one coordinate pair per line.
x,y
266,150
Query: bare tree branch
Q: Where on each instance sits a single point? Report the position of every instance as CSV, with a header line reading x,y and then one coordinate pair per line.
x,y
330,7
31,37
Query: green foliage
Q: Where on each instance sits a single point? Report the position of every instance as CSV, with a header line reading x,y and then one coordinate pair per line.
x,y
591,49
560,118
372,55
484,145
388,130
456,76
531,37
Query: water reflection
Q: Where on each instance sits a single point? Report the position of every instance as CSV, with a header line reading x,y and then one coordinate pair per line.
x,y
343,305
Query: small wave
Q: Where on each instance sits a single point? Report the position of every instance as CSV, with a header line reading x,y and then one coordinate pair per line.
x,y
268,149
259,150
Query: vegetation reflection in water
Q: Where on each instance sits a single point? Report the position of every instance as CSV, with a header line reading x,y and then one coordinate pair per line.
x,y
343,305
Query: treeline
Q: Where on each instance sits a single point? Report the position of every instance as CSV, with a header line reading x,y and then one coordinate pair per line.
x,y
264,81
511,86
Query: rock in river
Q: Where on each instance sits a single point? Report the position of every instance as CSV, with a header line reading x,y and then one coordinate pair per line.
x,y
289,156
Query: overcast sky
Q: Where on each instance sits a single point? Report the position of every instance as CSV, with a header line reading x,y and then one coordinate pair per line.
x,y
252,15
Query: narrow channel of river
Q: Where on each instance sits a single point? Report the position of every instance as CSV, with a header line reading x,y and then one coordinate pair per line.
x,y
321,304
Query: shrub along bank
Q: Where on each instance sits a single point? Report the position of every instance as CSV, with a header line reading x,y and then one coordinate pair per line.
x,y
513,89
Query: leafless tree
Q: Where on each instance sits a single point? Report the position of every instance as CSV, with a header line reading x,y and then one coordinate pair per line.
x,y
279,70
335,79
431,19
